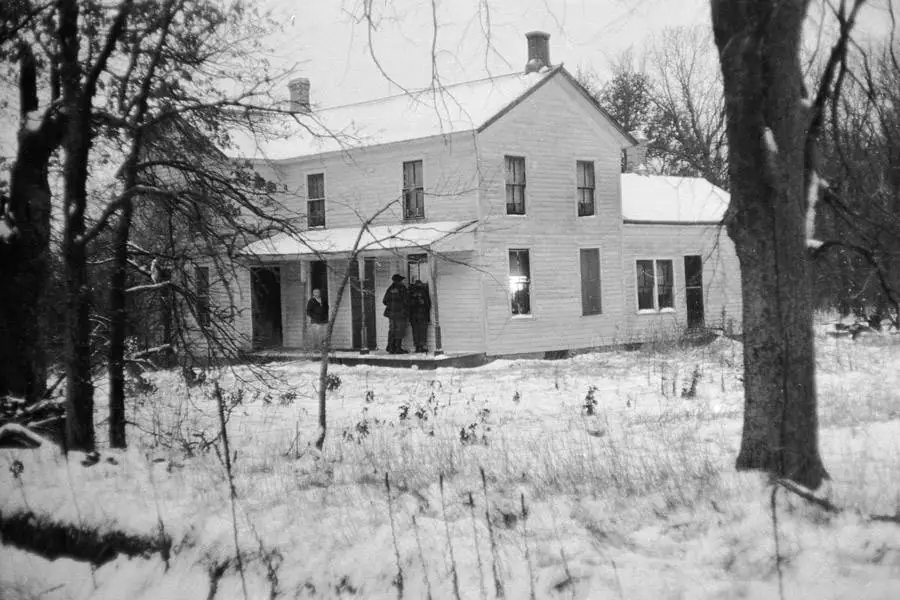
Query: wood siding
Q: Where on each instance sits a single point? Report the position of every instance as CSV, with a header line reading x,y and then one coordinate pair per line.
x,y
552,129
721,277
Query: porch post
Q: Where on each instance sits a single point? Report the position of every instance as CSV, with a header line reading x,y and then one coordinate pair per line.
x,y
361,274
434,304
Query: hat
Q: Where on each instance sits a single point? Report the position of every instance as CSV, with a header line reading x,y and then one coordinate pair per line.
x,y
397,278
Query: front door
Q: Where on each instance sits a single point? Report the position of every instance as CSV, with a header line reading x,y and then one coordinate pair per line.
x,y
693,276
363,302
265,284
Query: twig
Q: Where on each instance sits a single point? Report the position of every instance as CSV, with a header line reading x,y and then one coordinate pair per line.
x,y
398,581
232,489
422,558
477,549
527,553
455,575
498,585
777,547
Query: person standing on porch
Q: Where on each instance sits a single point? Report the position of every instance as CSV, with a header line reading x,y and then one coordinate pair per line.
x,y
317,312
396,309
419,314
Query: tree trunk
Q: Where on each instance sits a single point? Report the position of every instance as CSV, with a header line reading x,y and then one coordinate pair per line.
x,y
758,46
118,323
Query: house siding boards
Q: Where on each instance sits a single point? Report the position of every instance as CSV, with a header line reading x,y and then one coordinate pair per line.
x,y
721,276
550,228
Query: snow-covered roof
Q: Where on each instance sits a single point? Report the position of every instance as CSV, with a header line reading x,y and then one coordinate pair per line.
x,y
449,109
659,198
444,236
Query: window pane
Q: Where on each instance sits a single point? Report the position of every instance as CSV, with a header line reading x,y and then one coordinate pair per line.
x,y
645,284
520,282
590,281
316,213
315,186
201,276
665,284
413,191
585,202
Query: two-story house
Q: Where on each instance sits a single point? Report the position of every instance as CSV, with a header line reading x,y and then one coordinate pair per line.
x,y
506,196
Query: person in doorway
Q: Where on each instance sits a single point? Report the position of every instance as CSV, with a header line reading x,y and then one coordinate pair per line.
x,y
419,314
317,312
396,309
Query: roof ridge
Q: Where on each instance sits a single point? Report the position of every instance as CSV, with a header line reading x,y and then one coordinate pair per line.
x,y
418,91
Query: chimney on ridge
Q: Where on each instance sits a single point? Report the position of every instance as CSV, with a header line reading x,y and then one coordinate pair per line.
x,y
538,51
299,89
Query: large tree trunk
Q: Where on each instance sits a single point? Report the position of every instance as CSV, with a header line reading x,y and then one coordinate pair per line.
x,y
118,323
758,46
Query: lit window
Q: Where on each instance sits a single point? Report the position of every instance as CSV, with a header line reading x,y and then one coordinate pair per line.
x,y
520,282
515,185
655,284
413,190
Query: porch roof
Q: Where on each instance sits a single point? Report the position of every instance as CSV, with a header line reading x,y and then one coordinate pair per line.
x,y
440,237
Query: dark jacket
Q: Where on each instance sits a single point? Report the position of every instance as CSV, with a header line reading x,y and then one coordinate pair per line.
x,y
317,311
396,301
419,302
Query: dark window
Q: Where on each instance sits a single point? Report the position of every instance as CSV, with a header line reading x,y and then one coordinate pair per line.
x,y
655,284
417,268
315,200
201,277
665,284
515,185
645,284
520,282
585,173
590,281
413,190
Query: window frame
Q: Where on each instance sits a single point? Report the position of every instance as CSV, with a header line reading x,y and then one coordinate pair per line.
x,y
599,251
416,189
202,296
507,185
530,282
579,187
637,300
310,200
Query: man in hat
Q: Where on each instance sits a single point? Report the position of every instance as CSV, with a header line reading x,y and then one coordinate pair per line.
x,y
396,309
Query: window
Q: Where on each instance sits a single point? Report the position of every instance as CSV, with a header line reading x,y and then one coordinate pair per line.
x,y
515,185
413,190
520,282
590,281
655,285
417,268
585,175
315,200
201,281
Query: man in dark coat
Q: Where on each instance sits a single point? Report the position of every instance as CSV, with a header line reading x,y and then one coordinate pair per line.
x,y
317,311
396,309
419,314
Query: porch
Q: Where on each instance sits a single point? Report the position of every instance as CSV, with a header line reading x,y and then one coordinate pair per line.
x,y
285,269
424,361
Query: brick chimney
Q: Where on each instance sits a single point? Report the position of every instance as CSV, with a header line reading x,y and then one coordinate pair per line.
x,y
636,156
538,51
299,89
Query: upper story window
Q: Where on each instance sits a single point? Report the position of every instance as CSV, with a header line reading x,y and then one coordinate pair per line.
x,y
515,185
413,190
655,285
315,200
520,282
585,177
201,291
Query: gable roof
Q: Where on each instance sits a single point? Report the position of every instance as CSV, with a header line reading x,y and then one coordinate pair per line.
x,y
665,199
456,108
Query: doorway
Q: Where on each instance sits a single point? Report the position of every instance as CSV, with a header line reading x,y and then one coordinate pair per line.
x,y
318,278
362,299
693,276
265,285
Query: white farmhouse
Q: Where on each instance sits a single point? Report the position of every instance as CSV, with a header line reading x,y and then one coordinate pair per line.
x,y
505,195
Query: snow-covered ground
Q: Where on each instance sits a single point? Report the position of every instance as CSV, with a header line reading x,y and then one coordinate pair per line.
x,y
638,499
